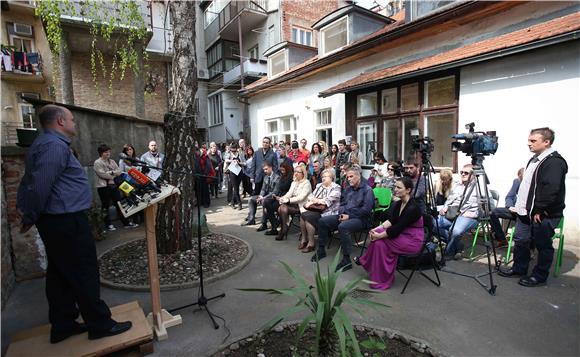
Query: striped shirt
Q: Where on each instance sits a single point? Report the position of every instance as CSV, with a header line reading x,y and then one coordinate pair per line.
x,y
54,181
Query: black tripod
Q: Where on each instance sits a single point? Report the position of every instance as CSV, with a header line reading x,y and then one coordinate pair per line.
x,y
202,300
484,206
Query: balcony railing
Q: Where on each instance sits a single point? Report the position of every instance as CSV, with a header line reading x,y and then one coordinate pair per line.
x,y
109,7
251,68
233,8
21,66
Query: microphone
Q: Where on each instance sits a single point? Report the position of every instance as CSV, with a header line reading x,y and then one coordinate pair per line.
x,y
142,179
132,160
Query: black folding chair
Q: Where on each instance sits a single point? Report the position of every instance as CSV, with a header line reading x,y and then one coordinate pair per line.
x,y
427,221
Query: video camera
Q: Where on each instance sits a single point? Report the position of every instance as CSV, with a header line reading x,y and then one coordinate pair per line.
x,y
423,145
476,143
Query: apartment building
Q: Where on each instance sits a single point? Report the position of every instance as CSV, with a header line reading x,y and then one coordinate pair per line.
x,y
237,37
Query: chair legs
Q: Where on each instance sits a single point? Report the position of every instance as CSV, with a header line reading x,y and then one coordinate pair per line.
x,y
415,266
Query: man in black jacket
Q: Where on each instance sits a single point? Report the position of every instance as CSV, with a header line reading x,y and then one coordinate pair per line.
x,y
539,208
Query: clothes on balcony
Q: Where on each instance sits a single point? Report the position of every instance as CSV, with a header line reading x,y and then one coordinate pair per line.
x,y
6,62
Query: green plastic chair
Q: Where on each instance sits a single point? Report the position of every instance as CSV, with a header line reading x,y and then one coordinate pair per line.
x,y
558,234
384,196
485,238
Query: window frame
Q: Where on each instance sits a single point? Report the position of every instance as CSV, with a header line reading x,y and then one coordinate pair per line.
x,y
255,50
23,38
298,38
322,31
216,101
327,127
275,136
283,52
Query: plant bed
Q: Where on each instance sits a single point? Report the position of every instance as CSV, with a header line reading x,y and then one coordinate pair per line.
x,y
125,266
281,342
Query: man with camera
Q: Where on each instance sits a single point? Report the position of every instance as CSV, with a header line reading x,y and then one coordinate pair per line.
x,y
539,208
356,205
465,216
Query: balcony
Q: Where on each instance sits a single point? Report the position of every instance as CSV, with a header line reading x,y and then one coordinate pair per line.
x,y
28,68
253,11
253,69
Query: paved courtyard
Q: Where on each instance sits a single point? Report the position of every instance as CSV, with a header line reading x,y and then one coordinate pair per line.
x,y
459,318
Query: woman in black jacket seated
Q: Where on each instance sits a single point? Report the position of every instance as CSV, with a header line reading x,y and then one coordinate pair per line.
x,y
402,234
271,204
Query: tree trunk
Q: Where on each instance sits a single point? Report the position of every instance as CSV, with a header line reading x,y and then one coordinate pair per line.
x,y
175,217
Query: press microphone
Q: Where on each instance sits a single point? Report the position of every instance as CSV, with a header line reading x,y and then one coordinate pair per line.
x,y
132,160
142,179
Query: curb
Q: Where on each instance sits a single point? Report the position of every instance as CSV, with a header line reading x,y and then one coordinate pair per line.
x,y
188,285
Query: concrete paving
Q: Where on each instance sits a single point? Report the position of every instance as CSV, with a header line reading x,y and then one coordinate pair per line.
x,y
459,318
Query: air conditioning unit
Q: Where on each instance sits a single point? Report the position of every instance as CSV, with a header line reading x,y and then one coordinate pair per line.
x,y
202,74
22,29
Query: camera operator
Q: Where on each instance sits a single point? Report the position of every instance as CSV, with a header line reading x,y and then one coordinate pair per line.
x,y
412,171
539,207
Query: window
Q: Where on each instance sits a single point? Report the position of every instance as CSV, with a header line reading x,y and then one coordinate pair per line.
x,y
302,36
222,57
367,140
440,92
334,36
215,109
271,36
389,101
409,123
213,10
282,129
440,127
26,109
22,44
277,63
254,53
366,104
410,97
391,139
323,126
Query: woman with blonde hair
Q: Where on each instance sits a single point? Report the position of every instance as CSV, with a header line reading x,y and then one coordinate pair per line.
x,y
295,198
443,187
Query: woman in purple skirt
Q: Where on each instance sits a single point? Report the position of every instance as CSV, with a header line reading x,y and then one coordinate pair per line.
x,y
402,234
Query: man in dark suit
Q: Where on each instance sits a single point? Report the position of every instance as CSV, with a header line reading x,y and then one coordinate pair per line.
x,y
261,157
269,183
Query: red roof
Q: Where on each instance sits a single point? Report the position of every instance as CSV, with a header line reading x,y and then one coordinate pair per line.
x,y
534,33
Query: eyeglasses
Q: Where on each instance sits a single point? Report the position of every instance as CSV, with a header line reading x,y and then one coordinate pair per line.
x,y
390,169
464,173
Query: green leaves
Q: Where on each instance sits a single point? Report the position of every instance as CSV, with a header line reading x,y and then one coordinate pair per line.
x,y
325,306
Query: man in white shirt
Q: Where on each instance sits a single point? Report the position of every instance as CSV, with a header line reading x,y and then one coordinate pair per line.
x,y
539,208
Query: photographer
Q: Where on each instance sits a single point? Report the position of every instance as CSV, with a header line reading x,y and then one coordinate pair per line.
x,y
465,216
539,207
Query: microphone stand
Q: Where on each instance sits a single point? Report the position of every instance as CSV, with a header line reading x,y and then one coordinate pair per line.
x,y
202,300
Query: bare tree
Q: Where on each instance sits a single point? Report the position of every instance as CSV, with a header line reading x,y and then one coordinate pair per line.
x,y
175,218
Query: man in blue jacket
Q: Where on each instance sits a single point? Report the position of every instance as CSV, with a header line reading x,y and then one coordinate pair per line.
x,y
354,214
260,157
539,207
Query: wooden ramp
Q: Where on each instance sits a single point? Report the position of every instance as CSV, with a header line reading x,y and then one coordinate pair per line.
x,y
35,342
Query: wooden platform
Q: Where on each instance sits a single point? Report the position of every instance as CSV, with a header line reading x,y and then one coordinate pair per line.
x,y
35,342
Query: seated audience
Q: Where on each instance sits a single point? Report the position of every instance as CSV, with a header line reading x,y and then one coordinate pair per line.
x,y
380,173
282,157
443,186
270,181
354,214
270,204
467,214
507,212
291,202
315,178
327,164
402,234
326,193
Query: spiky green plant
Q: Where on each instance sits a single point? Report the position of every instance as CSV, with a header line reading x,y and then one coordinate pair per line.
x,y
324,302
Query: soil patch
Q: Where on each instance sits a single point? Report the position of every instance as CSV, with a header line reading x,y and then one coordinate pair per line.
x,y
281,342
127,263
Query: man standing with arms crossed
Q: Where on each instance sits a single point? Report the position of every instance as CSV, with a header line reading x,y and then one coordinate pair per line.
x,y
54,195
539,208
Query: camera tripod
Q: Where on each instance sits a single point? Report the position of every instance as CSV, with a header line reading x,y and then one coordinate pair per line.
x,y
484,206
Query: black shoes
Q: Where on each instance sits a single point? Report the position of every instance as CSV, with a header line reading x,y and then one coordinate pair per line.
x,y
344,264
117,328
531,282
263,227
249,223
357,261
510,273
57,336
317,256
272,232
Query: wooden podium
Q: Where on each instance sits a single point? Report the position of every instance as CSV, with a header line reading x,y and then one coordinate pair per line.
x,y
159,318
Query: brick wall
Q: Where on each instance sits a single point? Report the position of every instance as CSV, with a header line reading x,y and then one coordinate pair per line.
x,y
303,14
122,98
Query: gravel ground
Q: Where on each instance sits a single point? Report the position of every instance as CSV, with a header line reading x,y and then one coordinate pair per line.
x,y
127,263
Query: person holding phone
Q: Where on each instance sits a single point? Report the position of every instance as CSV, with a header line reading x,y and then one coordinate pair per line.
x,y
402,234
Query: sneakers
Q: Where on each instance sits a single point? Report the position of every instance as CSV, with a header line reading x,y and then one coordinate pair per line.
x,y
110,228
131,225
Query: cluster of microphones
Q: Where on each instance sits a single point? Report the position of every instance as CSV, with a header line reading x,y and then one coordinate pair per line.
x,y
134,185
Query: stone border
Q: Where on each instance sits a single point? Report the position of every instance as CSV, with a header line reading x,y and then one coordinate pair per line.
x,y
178,286
417,344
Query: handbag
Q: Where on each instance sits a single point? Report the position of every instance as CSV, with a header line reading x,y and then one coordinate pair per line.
x,y
452,212
316,207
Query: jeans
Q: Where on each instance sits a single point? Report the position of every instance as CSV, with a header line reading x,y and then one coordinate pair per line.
x,y
328,224
541,234
252,207
462,225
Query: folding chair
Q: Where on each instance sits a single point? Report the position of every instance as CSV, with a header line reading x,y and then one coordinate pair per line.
x,y
417,256
495,197
383,198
